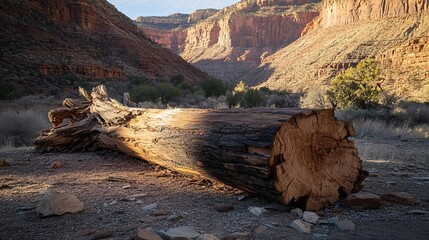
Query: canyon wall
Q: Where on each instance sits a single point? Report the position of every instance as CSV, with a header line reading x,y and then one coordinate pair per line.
x,y
347,31
236,39
44,41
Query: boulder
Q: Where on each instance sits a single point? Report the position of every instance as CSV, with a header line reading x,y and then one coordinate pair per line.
x,y
365,200
59,204
400,197
145,234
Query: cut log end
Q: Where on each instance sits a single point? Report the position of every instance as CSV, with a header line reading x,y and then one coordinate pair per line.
x,y
313,161
296,156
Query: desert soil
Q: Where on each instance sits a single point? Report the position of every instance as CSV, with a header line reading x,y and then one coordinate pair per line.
x,y
103,181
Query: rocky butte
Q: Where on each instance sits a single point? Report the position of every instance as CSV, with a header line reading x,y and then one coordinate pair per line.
x,y
47,45
229,43
394,32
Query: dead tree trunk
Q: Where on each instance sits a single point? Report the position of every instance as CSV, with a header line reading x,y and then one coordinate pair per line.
x,y
295,156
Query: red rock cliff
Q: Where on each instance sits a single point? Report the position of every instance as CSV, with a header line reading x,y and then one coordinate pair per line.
x,y
236,39
347,31
44,40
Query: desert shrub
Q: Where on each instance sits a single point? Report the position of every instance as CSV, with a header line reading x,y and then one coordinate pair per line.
x,y
357,87
138,80
316,98
177,79
213,87
20,127
143,93
252,98
167,92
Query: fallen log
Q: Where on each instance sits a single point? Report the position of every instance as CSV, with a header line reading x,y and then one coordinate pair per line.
x,y
296,156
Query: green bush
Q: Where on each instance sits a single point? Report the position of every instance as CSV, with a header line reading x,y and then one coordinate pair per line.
x,y
148,92
213,87
357,88
177,79
143,93
252,98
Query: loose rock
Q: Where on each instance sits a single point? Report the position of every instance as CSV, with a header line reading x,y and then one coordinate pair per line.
x,y
310,217
261,229
297,212
102,234
145,234
365,200
160,212
238,236
182,233
333,220
300,226
150,207
126,187
207,237
400,197
223,207
4,163
59,204
258,211
418,212
57,165
84,232
346,225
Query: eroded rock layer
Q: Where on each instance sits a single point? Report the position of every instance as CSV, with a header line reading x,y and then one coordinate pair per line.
x,y
236,39
347,31
45,45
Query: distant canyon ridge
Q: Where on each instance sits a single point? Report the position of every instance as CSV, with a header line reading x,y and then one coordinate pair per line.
x,y
299,44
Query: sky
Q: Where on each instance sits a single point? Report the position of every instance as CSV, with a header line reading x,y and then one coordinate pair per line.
x,y
136,8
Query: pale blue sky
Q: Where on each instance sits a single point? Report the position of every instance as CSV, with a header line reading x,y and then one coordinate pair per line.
x,y
135,8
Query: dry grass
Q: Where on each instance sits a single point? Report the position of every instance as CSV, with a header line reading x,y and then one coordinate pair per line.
x,y
19,127
381,130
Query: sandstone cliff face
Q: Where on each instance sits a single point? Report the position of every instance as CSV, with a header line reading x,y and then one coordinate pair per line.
x,y
236,39
44,40
346,32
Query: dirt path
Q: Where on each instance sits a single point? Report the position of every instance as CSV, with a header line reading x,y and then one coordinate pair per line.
x,y
100,180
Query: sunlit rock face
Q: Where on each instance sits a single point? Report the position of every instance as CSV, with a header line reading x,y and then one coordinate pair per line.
x,y
236,39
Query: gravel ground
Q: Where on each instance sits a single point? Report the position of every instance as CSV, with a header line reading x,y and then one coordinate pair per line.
x,y
103,181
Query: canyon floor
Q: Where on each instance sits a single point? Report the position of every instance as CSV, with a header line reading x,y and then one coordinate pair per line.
x,y
104,180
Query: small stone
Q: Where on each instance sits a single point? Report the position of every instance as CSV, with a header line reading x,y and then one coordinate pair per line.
x,y
364,200
300,226
400,197
310,217
320,213
261,229
346,225
421,178
126,187
182,233
418,212
395,169
102,234
333,220
160,212
322,222
207,237
320,235
150,207
4,163
57,165
59,204
136,196
145,234
275,224
84,232
149,219
241,197
258,211
238,236
113,202
297,212
174,217
336,210
223,208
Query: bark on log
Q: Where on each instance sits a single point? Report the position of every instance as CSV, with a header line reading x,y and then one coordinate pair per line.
x,y
296,156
